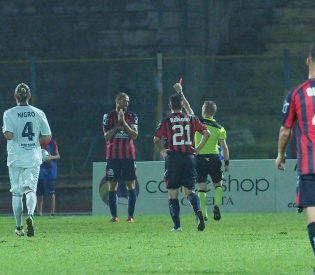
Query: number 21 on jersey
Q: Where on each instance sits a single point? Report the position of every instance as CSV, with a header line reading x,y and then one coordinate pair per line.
x,y
181,135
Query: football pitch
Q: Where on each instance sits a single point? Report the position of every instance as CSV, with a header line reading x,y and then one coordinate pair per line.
x,y
238,244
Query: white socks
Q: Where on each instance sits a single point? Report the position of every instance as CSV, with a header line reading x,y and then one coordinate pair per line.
x,y
17,206
30,202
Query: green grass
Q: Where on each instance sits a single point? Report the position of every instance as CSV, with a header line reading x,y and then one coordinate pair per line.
x,y
238,244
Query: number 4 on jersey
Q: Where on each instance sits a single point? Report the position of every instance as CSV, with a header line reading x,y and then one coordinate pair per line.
x,y
28,131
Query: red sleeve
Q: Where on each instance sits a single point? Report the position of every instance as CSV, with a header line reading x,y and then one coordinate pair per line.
x,y
289,110
199,126
161,130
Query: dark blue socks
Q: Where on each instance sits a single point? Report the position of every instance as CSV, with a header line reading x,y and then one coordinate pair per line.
x,y
132,197
112,201
194,201
174,211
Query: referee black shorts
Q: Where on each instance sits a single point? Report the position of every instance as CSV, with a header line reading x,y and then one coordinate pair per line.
x,y
305,191
209,165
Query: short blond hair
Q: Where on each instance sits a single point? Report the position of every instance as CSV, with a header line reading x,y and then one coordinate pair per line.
x,y
119,96
210,107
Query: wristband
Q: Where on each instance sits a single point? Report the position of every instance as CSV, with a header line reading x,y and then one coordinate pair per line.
x,y
282,155
226,162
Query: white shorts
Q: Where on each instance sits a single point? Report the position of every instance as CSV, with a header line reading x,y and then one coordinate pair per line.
x,y
22,179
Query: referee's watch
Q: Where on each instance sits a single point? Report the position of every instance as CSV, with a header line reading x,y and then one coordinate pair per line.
x,y
226,162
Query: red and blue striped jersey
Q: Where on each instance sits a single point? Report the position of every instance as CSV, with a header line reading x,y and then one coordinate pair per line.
x,y
48,169
120,146
299,113
178,130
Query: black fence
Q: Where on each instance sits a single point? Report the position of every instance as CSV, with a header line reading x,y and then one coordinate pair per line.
x,y
249,92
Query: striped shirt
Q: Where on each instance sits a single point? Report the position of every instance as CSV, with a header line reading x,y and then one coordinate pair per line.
x,y
299,113
120,146
178,130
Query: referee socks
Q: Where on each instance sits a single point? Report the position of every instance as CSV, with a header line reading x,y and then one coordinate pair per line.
x,y
203,202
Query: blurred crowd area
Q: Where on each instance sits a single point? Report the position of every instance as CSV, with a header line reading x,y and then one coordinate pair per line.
x,y
75,94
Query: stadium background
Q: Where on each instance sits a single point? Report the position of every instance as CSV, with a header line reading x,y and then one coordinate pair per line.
x,y
76,56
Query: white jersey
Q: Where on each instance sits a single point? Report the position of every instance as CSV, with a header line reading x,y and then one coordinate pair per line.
x,y
26,123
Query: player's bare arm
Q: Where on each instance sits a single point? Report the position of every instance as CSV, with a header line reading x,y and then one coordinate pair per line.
x,y
132,131
110,133
157,143
179,89
205,136
159,147
226,154
284,137
8,135
54,157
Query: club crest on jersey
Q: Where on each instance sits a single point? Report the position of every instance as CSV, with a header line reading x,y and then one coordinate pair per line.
x,y
285,107
121,134
310,91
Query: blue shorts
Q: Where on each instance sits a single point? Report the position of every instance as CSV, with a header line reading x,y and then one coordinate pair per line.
x,y
120,169
305,191
180,170
46,187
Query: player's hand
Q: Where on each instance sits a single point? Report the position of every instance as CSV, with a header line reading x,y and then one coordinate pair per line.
x,y
280,161
164,153
118,126
226,168
121,116
178,88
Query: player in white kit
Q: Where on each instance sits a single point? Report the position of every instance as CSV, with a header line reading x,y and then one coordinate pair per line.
x,y
24,126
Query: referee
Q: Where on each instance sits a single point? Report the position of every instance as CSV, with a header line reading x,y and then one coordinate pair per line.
x,y
208,159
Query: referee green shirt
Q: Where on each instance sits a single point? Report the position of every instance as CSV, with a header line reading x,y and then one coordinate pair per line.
x,y
217,132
